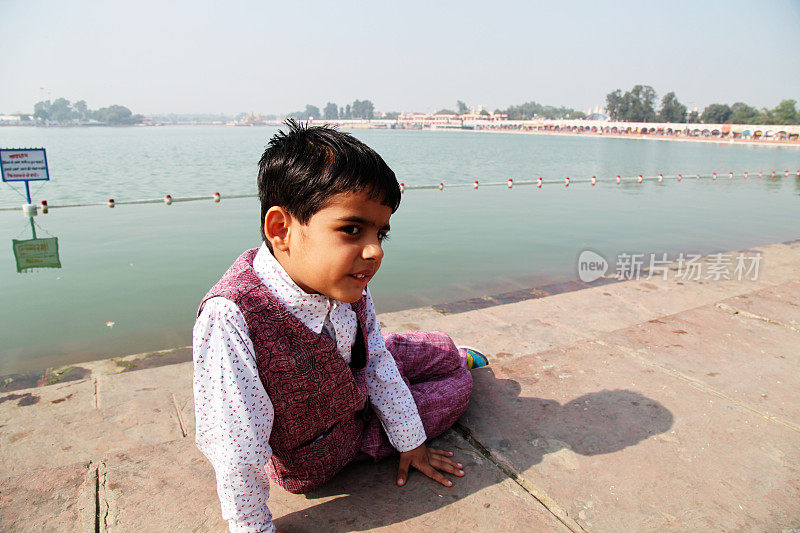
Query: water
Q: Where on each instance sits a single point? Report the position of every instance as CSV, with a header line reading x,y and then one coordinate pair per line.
x,y
146,267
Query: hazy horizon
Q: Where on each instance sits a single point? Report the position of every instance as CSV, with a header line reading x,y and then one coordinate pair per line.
x,y
204,57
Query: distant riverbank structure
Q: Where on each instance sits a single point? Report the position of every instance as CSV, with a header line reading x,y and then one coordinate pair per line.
x,y
754,132
500,122
767,133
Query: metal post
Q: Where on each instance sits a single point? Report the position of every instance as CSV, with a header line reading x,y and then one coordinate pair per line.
x,y
33,228
28,190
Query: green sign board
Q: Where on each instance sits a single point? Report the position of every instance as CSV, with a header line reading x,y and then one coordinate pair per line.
x,y
36,253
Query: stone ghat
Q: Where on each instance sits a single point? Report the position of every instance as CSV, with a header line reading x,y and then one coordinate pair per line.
x,y
652,404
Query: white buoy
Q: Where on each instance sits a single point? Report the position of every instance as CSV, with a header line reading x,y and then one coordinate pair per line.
x,y
594,180
773,173
539,183
745,174
680,177
441,186
639,179
566,181
730,176
44,207
402,188
168,199
475,185
660,178
216,197
760,173
29,210
111,202
714,176
510,183
619,179
786,174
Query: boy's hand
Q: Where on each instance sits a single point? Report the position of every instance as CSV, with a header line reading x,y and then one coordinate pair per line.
x,y
430,462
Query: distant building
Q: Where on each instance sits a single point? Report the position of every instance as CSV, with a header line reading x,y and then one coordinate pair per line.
x,y
444,121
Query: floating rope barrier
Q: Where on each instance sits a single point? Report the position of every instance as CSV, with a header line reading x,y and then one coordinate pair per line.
x,y
539,182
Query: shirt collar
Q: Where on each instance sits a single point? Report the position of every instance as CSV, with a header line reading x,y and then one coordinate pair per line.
x,y
311,309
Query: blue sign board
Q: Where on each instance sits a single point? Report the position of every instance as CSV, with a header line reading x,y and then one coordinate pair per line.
x,y
24,164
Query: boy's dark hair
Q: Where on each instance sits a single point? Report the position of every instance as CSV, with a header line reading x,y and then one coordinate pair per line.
x,y
301,169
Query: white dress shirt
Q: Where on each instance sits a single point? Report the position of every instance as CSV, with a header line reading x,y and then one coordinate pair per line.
x,y
233,411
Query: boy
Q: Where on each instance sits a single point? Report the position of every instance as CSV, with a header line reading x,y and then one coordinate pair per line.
x,y
292,377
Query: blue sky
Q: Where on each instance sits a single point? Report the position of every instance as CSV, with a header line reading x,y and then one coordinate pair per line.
x,y
275,57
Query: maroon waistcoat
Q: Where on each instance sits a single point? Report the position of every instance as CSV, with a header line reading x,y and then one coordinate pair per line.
x,y
318,399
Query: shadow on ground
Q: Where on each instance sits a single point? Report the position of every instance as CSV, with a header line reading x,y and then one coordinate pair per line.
x,y
363,496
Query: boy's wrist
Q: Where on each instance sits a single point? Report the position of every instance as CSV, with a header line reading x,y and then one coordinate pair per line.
x,y
412,444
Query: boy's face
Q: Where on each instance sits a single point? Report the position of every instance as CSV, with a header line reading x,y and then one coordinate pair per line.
x,y
340,248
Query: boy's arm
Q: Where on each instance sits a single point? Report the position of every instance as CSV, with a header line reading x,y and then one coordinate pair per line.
x,y
233,415
388,393
398,412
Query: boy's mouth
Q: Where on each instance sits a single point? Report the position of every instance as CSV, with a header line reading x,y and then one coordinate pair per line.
x,y
363,275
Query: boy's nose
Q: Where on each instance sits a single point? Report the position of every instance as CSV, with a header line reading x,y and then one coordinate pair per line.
x,y
373,251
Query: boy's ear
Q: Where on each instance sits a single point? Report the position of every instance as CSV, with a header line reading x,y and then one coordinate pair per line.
x,y
277,224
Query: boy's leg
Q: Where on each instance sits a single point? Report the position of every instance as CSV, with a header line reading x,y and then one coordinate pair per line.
x,y
436,373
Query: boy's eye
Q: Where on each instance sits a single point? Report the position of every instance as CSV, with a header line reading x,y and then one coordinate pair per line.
x,y
351,230
383,235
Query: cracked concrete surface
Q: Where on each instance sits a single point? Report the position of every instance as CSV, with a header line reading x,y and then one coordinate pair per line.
x,y
659,404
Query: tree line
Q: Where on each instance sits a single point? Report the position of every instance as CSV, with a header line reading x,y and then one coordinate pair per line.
x,y
638,105
527,111
461,109
365,109
533,110
63,111
359,109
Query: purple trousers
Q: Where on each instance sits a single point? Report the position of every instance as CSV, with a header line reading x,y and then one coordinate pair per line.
x,y
436,373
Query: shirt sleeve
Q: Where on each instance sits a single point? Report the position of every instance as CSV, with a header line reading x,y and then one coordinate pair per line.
x,y
233,415
390,397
